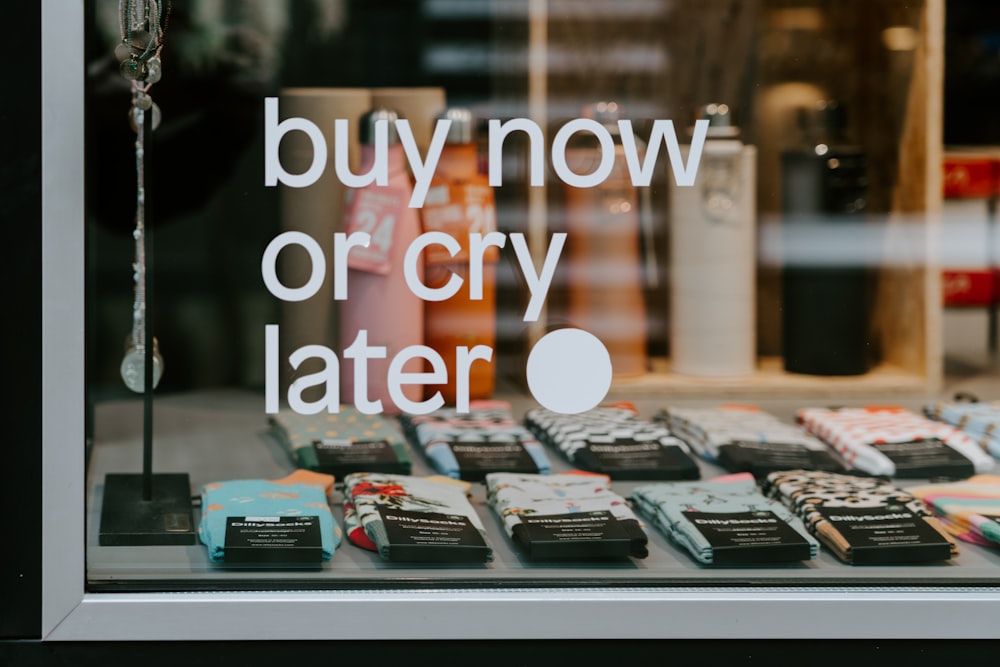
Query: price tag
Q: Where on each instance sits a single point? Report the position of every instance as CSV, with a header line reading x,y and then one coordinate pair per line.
x,y
374,211
458,209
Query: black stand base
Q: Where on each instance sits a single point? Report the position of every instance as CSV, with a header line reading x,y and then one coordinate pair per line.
x,y
129,520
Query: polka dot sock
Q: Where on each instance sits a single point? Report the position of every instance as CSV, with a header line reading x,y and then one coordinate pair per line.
x,y
823,499
342,443
302,493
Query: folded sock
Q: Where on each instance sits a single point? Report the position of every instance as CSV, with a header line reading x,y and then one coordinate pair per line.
x,y
518,499
745,439
690,512
300,494
342,443
435,501
969,509
981,421
862,519
469,445
613,440
896,442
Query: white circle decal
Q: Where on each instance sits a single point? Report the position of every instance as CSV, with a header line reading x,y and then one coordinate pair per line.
x,y
569,371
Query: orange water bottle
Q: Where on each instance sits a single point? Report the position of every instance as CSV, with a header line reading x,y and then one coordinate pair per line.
x,y
460,202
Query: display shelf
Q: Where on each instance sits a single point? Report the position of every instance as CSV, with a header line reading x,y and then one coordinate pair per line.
x,y
771,380
92,593
796,53
220,436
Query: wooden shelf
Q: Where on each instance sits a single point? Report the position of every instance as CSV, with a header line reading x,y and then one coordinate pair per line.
x,y
770,380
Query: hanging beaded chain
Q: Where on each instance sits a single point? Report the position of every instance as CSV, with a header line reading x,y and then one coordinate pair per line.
x,y
142,25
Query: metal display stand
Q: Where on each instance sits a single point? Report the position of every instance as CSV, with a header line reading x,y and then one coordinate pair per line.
x,y
147,508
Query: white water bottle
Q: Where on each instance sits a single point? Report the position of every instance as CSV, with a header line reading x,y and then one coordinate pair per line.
x,y
713,257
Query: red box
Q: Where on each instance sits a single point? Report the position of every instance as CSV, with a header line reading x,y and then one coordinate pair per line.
x,y
968,287
971,173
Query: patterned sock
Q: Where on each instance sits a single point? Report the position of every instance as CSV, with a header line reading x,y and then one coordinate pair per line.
x,y
970,509
342,443
745,439
844,510
521,500
896,442
300,494
613,440
691,513
468,446
454,532
981,421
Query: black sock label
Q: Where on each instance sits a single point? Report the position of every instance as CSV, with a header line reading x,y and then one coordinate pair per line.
x,y
432,537
756,536
476,459
596,534
929,457
764,457
891,533
273,539
335,452
626,458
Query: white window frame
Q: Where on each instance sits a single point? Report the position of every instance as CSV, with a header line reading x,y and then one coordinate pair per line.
x,y
69,613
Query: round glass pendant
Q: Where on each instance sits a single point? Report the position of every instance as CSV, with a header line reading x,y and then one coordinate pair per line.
x,y
133,368
138,41
134,70
123,52
154,70
155,110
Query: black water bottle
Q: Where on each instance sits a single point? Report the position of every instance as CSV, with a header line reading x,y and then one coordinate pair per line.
x,y
825,281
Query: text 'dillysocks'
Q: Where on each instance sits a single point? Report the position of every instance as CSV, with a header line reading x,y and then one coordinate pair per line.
x,y
745,439
969,510
413,519
566,516
469,445
725,522
342,443
614,441
282,521
863,520
896,442
981,421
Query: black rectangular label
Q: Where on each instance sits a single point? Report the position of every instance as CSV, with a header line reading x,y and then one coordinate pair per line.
x,y
477,459
273,539
596,534
763,457
929,457
626,458
886,534
432,537
749,537
334,453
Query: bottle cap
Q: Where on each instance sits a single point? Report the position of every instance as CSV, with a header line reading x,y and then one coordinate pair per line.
x,y
826,119
462,128
366,128
720,120
605,113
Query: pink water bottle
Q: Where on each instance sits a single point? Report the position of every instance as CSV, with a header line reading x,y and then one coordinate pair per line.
x,y
379,303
